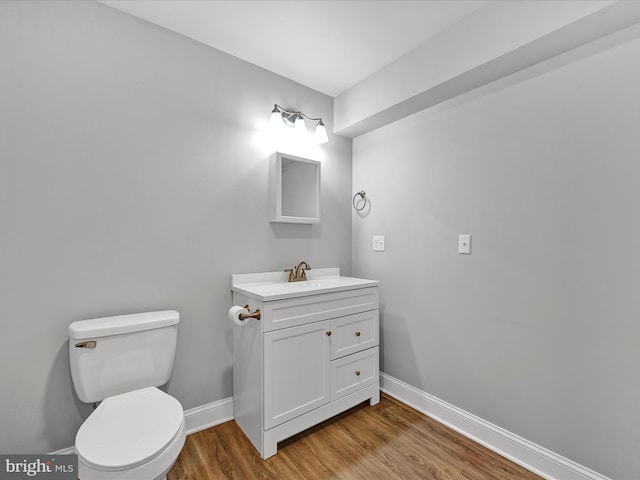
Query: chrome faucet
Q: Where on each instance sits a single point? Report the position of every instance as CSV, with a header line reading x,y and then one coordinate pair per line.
x,y
300,275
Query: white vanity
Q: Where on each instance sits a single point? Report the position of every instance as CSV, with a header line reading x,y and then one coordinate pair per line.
x,y
313,353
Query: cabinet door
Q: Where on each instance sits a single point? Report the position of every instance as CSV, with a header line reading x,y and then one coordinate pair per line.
x,y
297,372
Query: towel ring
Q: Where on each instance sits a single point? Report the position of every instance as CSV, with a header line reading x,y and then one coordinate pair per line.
x,y
363,196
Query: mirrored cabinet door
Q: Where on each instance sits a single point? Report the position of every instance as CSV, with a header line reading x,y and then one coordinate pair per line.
x,y
294,189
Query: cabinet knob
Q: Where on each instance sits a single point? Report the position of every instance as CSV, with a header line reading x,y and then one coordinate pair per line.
x,y
358,372
328,332
357,334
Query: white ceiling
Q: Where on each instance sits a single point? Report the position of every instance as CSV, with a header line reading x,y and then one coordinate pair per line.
x,y
328,45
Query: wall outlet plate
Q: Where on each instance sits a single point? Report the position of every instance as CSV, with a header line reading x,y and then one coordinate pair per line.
x,y
378,243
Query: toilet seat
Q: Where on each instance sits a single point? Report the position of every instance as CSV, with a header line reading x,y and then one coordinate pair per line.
x,y
130,429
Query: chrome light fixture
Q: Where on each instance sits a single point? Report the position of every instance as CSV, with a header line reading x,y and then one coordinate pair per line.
x,y
281,117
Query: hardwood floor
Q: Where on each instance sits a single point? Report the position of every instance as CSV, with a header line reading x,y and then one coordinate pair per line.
x,y
386,441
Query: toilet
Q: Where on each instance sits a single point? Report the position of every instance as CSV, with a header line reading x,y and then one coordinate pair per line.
x,y
137,431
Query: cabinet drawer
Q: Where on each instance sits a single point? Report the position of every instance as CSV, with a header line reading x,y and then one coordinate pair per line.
x,y
354,372
301,310
353,333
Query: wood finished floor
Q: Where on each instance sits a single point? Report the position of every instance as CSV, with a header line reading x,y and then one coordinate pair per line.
x,y
386,441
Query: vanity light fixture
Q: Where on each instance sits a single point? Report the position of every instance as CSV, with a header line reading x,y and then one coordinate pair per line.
x,y
281,117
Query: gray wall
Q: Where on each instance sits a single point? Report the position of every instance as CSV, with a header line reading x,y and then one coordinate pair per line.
x,y
537,331
134,177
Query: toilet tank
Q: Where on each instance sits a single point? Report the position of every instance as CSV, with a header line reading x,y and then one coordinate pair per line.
x,y
113,355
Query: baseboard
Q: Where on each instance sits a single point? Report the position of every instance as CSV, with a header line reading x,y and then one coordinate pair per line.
x,y
537,459
64,451
209,415
196,419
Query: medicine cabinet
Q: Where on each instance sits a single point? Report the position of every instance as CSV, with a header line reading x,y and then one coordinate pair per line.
x,y
294,185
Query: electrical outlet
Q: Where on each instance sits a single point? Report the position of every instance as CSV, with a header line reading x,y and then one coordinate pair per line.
x,y
378,243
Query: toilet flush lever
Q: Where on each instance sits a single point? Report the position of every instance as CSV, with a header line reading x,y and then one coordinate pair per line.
x,y
87,344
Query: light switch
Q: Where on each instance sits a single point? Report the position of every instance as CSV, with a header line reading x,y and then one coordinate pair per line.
x,y
378,243
464,244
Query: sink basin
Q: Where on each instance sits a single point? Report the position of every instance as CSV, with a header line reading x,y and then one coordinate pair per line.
x,y
273,285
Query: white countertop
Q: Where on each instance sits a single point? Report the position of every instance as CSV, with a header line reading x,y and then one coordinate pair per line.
x,y
269,286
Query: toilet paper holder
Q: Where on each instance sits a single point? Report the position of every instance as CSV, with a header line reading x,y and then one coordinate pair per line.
x,y
244,316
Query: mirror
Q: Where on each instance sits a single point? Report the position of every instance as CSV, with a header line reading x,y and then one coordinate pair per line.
x,y
294,189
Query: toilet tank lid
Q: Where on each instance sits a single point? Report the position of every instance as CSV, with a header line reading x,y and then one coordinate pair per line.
x,y
117,325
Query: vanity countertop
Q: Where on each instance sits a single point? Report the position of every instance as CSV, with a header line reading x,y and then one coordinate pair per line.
x,y
268,286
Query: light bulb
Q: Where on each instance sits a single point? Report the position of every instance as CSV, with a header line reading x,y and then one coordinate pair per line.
x,y
320,133
299,127
275,122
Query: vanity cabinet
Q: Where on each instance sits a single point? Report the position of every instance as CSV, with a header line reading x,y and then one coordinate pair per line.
x,y
307,359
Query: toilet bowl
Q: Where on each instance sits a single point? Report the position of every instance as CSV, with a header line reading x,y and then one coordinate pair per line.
x,y
135,435
137,431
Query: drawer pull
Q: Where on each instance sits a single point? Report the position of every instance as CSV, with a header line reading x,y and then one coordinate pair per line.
x,y
358,372
328,332
357,334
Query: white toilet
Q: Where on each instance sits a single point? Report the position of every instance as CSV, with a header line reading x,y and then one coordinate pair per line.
x,y
137,431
